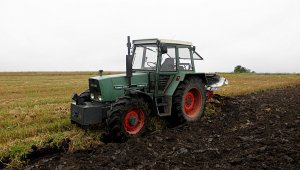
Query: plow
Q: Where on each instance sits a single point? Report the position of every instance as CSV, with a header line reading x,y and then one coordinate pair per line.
x,y
160,80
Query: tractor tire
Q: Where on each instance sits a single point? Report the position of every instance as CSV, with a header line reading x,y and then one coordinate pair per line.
x,y
128,117
189,101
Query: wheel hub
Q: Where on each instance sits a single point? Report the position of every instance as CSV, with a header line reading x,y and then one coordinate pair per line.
x,y
188,101
133,120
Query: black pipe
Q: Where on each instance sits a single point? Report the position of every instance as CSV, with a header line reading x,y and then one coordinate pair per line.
x,y
129,58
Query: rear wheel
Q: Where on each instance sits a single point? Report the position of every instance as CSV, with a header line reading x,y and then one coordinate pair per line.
x,y
188,101
127,117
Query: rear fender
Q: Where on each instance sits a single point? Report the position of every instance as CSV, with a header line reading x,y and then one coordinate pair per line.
x,y
180,77
201,76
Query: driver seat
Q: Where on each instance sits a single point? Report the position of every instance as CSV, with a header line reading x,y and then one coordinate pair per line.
x,y
168,65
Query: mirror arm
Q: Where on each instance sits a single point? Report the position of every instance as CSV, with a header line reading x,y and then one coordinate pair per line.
x,y
198,55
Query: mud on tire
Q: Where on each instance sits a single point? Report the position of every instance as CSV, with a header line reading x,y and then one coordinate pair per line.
x,y
188,101
127,117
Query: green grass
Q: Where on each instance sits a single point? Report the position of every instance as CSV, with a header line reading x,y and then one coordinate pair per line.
x,y
34,107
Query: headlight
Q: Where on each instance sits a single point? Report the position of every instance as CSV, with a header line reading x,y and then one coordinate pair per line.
x,y
99,98
92,96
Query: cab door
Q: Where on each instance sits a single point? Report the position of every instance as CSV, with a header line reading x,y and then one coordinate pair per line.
x,y
167,70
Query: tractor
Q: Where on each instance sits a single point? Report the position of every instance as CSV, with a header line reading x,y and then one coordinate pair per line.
x,y
160,80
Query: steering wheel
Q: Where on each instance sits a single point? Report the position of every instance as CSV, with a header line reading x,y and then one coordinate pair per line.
x,y
153,66
186,66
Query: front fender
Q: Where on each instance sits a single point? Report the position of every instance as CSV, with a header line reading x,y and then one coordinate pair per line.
x,y
147,97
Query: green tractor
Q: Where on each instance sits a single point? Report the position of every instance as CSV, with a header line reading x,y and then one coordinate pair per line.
x,y
160,80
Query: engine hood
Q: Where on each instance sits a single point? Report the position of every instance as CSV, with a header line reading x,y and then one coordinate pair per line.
x,y
112,86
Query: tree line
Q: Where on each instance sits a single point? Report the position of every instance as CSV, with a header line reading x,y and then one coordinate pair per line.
x,y
241,69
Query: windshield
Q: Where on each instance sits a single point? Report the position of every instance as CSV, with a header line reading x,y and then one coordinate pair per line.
x,y
145,57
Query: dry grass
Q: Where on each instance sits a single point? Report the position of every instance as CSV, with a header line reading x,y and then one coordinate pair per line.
x,y
34,107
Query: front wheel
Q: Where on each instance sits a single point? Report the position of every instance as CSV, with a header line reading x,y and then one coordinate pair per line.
x,y
189,101
127,118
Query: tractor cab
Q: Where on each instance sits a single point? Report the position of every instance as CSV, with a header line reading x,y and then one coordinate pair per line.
x,y
162,55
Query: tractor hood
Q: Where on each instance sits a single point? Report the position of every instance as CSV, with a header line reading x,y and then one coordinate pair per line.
x,y
109,87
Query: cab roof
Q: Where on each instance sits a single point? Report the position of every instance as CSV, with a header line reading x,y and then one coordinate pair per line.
x,y
165,41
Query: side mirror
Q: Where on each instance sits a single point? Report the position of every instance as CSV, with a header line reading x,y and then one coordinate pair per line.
x,y
164,49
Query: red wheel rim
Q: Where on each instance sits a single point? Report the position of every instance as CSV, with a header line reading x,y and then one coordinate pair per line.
x,y
192,103
134,121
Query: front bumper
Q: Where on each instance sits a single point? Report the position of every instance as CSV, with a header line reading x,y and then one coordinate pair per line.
x,y
89,113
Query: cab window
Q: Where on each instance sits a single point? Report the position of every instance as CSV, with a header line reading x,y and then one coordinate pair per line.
x,y
168,60
185,62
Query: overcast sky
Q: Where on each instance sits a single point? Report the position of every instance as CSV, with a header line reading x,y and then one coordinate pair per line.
x,y
61,35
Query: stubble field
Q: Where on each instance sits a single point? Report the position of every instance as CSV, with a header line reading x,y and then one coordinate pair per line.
x,y
34,108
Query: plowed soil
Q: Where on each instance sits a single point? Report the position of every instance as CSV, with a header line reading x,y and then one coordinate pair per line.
x,y
258,131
